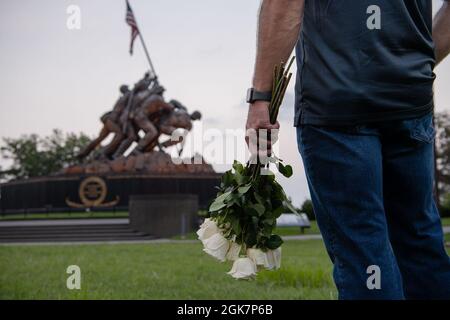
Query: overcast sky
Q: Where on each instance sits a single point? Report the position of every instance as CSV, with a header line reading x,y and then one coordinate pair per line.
x,y
203,51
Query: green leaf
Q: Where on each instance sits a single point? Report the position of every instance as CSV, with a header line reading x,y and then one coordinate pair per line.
x,y
278,212
227,178
232,202
277,192
239,178
250,211
220,201
238,167
250,239
285,170
259,208
244,189
216,206
269,221
223,196
236,225
267,231
274,242
259,198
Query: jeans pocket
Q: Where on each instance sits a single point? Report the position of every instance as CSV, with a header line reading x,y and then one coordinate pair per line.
x,y
423,129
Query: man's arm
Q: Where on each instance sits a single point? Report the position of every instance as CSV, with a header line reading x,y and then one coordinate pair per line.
x,y
278,32
441,32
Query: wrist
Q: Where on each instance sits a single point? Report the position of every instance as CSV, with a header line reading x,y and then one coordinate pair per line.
x,y
262,87
259,104
254,95
262,80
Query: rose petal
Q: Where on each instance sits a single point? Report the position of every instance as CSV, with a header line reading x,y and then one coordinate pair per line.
x,y
243,268
233,251
207,229
216,246
258,257
273,259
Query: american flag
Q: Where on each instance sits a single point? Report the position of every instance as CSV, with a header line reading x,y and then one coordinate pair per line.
x,y
131,21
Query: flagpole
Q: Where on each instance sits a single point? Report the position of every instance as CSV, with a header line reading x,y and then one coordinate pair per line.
x,y
152,68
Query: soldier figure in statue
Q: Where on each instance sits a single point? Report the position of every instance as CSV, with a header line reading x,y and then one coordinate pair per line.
x,y
144,112
111,124
146,118
113,120
168,123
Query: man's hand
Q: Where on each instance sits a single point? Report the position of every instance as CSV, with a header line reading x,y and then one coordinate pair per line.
x,y
278,32
260,133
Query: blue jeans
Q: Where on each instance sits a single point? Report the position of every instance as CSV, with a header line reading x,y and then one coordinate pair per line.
x,y
372,193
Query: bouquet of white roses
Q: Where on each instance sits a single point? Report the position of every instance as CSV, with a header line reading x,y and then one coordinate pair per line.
x,y
243,215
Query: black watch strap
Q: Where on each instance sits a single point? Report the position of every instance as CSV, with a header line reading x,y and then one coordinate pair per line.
x,y
254,95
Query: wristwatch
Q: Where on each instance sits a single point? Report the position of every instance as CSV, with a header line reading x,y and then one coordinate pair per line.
x,y
253,95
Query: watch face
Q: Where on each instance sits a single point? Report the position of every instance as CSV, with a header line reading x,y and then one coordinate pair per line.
x,y
249,95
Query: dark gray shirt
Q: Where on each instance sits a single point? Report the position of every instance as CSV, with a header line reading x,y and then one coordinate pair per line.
x,y
360,63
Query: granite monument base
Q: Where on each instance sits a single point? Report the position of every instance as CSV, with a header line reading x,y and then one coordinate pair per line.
x,y
164,215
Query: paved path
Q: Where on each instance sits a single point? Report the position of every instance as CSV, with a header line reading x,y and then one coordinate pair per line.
x,y
156,241
306,237
159,241
61,222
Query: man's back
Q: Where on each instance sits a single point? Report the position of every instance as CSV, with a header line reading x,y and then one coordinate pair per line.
x,y
364,61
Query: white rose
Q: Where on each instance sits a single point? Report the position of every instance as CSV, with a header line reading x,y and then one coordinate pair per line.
x,y
258,257
216,246
271,259
233,251
274,259
243,268
207,229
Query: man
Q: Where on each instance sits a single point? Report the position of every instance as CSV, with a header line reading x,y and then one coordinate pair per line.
x,y
364,103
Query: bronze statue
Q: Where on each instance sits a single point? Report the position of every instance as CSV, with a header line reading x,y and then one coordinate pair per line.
x,y
113,120
111,124
142,108
146,117
179,118
145,104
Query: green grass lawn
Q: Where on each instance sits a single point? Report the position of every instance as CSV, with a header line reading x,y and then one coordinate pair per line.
x,y
292,231
282,231
158,271
446,221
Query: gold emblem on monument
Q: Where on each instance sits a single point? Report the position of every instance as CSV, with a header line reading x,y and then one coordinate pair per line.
x,y
92,193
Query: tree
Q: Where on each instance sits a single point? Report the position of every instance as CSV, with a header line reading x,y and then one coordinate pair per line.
x,y
307,207
33,156
442,124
